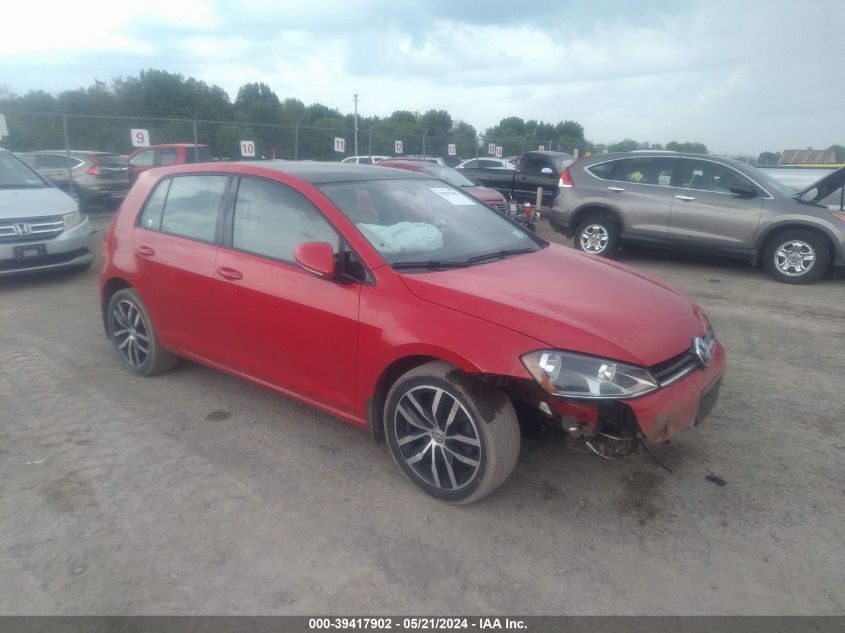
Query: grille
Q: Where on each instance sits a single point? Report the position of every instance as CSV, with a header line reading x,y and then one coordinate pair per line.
x,y
672,370
28,229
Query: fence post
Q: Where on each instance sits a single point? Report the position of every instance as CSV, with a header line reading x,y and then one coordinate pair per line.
x,y
67,157
424,133
196,149
296,139
477,138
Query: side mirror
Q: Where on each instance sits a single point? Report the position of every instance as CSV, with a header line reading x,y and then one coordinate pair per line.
x,y
316,258
744,190
547,171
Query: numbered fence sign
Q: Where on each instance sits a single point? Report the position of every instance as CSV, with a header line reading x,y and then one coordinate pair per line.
x,y
248,149
398,148
339,144
140,138
498,151
491,148
575,152
542,148
453,150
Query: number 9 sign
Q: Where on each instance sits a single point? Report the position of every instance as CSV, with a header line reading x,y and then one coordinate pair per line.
x,y
140,138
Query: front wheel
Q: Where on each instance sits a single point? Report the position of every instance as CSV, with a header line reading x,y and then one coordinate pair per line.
x,y
455,438
597,236
133,337
796,257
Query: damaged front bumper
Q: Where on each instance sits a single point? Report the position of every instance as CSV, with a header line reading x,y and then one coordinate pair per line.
x,y
613,428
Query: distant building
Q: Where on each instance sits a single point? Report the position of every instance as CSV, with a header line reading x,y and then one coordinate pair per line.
x,y
807,157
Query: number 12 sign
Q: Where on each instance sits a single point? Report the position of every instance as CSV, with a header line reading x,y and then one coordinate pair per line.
x,y
397,147
140,138
248,149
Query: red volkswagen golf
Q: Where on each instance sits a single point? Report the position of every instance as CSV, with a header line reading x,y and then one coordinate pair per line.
x,y
396,302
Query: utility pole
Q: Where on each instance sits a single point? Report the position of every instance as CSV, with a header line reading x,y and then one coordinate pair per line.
x,y
356,123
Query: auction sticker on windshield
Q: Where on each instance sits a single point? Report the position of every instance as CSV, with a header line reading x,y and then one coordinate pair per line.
x,y
455,197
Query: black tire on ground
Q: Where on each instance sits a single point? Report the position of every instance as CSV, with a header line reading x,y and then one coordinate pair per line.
x,y
797,257
597,235
133,336
461,442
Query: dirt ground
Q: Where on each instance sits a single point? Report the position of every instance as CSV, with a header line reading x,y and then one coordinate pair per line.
x,y
194,492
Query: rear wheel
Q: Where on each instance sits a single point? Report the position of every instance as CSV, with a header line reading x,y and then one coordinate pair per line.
x,y
597,235
797,257
454,437
133,337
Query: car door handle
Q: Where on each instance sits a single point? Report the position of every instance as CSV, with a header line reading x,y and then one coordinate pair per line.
x,y
229,273
685,198
617,189
145,251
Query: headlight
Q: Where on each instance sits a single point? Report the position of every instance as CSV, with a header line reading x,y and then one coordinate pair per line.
x,y
577,376
72,220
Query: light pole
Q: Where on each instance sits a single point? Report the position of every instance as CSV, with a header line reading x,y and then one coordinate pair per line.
x,y
355,96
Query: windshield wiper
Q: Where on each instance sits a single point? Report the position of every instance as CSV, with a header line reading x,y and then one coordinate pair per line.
x,y
431,264
498,254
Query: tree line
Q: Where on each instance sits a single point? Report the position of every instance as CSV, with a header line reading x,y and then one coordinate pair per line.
x,y
100,116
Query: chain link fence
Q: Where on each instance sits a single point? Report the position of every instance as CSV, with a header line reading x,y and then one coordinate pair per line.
x,y
234,140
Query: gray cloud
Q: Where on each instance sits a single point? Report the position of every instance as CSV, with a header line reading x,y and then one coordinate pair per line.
x,y
738,76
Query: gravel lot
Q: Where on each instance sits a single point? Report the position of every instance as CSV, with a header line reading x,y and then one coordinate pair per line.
x,y
194,492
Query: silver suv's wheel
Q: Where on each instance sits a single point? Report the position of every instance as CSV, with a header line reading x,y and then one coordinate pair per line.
x,y
796,257
597,236
133,337
454,437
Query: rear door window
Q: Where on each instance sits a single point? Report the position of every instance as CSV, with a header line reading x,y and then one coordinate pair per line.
x,y
646,171
168,157
151,215
272,219
193,206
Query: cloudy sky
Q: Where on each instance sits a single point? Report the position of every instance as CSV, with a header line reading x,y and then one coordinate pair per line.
x,y
741,76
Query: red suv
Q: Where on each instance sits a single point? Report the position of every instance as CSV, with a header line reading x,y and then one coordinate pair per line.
x,y
396,302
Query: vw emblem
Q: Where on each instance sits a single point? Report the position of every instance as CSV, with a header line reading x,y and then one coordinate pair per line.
x,y
702,351
22,228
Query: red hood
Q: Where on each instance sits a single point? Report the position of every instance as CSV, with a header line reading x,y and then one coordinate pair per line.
x,y
568,300
487,196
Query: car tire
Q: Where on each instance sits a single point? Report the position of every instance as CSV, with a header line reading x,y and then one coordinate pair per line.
x,y
597,235
128,325
797,257
453,436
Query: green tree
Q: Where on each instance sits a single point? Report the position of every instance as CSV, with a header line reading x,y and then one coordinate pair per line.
x,y
840,153
768,158
693,147
625,145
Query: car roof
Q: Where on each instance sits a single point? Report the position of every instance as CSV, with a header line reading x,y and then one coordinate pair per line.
x,y
313,172
93,152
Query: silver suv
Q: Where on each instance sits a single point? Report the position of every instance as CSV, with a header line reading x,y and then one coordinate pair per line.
x,y
41,228
698,203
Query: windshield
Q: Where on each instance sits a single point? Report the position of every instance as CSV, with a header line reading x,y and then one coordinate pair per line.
x,y
426,221
15,174
447,174
772,184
